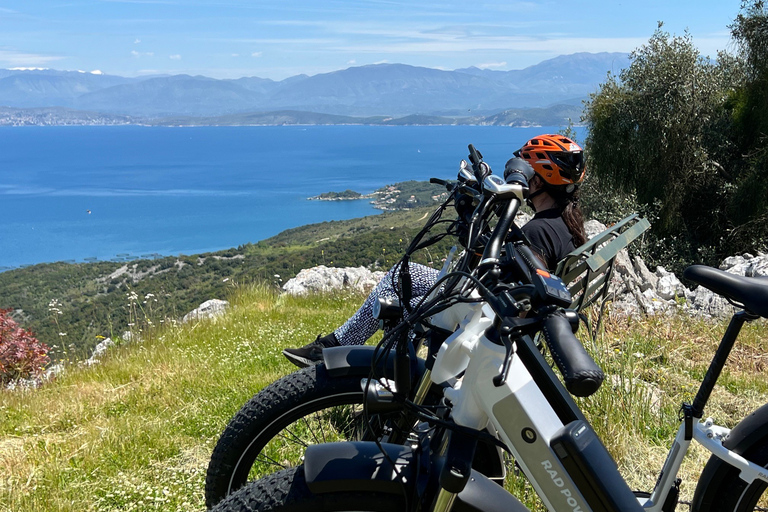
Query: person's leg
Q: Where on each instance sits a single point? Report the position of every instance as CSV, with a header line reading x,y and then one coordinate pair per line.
x,y
362,325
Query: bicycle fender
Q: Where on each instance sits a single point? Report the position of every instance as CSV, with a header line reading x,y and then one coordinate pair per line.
x,y
358,466
353,466
355,360
743,436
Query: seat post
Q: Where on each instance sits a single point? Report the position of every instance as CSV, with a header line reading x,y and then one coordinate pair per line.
x,y
718,361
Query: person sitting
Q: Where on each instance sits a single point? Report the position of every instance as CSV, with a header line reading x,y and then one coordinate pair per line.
x,y
556,229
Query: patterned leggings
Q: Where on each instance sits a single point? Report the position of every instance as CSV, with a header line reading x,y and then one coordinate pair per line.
x,y
362,324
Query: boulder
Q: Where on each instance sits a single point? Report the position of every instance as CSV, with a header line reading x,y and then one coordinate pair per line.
x,y
99,350
324,279
668,286
208,309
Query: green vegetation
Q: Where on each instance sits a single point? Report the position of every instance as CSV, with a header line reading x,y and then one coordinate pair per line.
x,y
683,138
135,432
72,306
408,195
347,194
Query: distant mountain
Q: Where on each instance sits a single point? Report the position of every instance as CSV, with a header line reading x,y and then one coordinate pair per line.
x,y
51,88
563,78
394,90
174,95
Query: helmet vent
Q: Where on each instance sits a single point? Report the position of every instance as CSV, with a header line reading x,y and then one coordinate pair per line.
x,y
541,156
547,167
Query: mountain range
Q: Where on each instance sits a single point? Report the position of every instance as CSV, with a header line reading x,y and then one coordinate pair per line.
x,y
375,90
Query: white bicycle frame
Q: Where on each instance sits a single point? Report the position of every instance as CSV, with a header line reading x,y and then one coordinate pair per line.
x,y
519,406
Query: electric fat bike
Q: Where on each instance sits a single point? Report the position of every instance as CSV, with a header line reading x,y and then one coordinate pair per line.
x,y
323,403
497,387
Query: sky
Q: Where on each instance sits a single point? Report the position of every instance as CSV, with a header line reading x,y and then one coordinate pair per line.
x,y
277,39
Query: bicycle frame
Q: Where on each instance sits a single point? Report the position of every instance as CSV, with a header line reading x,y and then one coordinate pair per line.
x,y
541,425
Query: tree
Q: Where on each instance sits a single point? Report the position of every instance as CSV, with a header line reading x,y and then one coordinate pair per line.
x,y
659,131
749,207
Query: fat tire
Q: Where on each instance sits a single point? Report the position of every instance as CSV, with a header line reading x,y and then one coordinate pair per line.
x,y
272,409
720,489
287,491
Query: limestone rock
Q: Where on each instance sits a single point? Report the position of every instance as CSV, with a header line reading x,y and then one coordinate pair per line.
x,y
208,309
99,350
325,279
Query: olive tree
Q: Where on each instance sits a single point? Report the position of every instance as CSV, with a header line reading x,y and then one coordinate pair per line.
x,y
659,131
749,207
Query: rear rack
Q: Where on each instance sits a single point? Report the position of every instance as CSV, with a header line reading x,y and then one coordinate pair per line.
x,y
587,270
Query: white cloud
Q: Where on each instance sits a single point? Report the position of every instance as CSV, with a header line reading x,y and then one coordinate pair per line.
x,y
137,41
351,62
13,58
142,54
175,56
490,65
235,54
256,54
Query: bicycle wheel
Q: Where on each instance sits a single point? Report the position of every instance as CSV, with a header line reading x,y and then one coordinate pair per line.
x,y
720,489
287,491
272,430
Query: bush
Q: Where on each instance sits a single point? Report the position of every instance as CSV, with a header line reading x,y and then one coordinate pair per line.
x,y
22,356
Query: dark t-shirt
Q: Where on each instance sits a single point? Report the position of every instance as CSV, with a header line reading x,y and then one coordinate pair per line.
x,y
549,236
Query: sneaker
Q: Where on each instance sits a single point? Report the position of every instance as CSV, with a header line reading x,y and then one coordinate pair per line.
x,y
311,353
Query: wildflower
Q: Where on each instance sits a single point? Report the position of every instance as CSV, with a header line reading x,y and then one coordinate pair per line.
x,y
62,334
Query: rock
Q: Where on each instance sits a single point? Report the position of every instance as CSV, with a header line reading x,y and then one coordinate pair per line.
x,y
99,350
668,286
325,279
593,227
208,309
648,280
708,304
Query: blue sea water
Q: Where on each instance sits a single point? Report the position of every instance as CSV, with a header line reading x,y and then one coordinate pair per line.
x,y
83,193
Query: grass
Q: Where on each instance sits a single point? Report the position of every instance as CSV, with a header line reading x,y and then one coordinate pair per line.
x,y
136,431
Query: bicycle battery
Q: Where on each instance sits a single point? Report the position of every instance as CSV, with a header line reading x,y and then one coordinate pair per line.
x,y
592,469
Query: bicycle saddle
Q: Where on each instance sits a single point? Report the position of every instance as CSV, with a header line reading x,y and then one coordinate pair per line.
x,y
751,292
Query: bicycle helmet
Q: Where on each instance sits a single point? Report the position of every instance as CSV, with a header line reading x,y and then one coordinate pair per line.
x,y
557,159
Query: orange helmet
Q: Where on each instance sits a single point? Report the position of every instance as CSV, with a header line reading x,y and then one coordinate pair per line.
x,y
557,159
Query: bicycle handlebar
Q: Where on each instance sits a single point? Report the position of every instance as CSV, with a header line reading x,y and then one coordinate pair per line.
x,y
582,375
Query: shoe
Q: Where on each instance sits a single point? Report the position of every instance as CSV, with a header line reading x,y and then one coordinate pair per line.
x,y
311,353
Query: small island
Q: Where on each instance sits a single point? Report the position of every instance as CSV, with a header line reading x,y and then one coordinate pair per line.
x,y
400,196
347,195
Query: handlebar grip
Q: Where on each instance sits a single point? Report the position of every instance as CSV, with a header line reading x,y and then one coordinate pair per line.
x,y
582,375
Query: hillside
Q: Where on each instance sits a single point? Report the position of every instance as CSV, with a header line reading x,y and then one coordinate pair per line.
x,y
135,433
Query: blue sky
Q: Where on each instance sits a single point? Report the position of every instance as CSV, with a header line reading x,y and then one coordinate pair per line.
x,y
280,38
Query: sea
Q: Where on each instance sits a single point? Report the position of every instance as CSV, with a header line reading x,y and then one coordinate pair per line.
x,y
89,193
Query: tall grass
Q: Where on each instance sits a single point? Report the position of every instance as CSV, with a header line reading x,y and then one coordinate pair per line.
x,y
136,431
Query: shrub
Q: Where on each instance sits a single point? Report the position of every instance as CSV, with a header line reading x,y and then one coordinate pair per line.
x,y
22,356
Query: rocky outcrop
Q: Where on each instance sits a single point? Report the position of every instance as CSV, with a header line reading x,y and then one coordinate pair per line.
x,y
325,279
634,290
208,309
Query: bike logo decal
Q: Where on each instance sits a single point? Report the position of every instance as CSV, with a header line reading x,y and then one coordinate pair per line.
x,y
560,483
